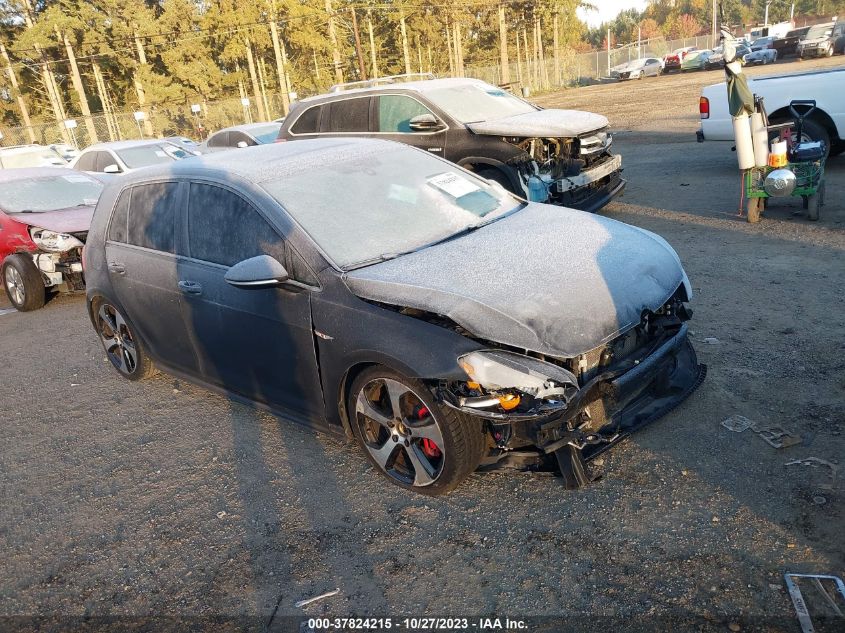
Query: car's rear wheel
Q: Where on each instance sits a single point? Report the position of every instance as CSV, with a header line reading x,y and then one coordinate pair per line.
x,y
23,283
413,441
123,347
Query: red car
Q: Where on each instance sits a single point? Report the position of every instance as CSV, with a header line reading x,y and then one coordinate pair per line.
x,y
673,60
45,214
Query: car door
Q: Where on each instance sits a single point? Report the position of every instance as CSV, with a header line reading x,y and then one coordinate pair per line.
x,y
141,261
105,159
348,116
653,67
393,114
255,342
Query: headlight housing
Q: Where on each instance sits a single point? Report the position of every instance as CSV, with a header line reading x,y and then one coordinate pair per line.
x,y
500,370
52,241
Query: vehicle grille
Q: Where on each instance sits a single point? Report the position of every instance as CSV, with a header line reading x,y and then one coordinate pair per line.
x,y
593,146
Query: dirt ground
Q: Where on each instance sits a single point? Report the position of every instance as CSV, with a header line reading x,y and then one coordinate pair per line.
x,y
161,503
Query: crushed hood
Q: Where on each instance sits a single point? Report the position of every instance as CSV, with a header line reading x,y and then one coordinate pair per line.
x,y
548,279
543,123
74,220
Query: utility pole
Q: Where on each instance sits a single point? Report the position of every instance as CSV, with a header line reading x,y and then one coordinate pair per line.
x,y
263,83
503,46
608,52
556,44
256,89
79,87
766,18
362,69
715,32
449,48
338,71
372,44
281,67
404,43
17,92
139,88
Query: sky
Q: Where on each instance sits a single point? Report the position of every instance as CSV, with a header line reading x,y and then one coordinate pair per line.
x,y
609,9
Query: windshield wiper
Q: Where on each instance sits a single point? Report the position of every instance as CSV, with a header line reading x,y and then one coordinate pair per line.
x,y
373,260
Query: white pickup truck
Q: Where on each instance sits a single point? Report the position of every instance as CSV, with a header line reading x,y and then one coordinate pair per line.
x,y
827,123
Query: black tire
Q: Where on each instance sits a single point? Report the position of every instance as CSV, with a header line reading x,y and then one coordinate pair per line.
x,y
23,283
463,438
122,345
497,175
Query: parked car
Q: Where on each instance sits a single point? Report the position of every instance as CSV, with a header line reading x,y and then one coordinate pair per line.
x,y
787,45
637,69
120,157
187,144
240,136
66,151
818,42
19,156
695,60
564,155
45,213
716,59
761,56
826,124
673,60
374,307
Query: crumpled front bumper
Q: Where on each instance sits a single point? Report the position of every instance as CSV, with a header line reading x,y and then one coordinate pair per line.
x,y
619,401
631,398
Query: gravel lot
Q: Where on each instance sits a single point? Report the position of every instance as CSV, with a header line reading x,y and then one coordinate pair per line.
x,y
163,499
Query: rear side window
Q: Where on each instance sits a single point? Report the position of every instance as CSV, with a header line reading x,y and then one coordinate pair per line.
x,y
104,159
117,227
237,137
87,161
220,139
307,121
152,216
223,228
396,111
352,115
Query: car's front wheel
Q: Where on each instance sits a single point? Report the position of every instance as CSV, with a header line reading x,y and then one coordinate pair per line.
x,y
122,345
412,440
23,283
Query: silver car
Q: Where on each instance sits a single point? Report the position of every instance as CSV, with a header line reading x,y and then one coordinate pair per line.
x,y
637,69
124,156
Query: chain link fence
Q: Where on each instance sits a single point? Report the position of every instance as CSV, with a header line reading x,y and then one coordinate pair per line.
x,y
180,120
580,68
159,121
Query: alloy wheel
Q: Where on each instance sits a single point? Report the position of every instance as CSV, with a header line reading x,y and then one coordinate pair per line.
x,y
117,339
400,432
14,284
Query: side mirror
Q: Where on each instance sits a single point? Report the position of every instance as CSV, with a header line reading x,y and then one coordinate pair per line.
x,y
111,169
257,272
242,144
424,123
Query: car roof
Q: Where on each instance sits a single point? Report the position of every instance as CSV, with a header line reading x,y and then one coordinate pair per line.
x,y
22,149
247,127
421,86
259,163
116,145
26,173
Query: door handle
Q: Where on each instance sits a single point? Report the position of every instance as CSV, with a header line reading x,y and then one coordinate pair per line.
x,y
190,287
115,267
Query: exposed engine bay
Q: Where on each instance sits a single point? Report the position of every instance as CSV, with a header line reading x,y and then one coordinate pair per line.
x,y
59,259
564,170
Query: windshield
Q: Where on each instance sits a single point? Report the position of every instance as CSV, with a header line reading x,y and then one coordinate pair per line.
x,y
471,103
266,134
816,32
146,155
51,193
763,41
377,203
37,157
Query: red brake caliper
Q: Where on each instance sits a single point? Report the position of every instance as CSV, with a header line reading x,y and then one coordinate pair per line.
x,y
430,449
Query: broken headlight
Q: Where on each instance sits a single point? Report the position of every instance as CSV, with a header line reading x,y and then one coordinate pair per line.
x,y
498,371
52,241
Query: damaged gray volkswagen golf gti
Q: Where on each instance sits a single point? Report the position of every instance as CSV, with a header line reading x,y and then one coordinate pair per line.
x,y
369,288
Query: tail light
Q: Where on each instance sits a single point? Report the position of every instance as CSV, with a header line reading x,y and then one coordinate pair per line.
x,y
704,107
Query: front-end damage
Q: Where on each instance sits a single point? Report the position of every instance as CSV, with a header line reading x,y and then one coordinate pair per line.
x,y
58,258
544,413
578,171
